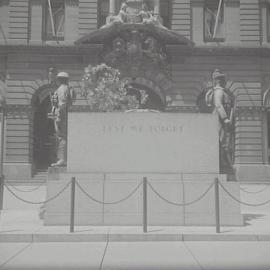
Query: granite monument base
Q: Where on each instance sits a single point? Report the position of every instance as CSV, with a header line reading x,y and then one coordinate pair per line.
x,y
110,153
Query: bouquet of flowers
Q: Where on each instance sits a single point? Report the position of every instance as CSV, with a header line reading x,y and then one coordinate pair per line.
x,y
107,92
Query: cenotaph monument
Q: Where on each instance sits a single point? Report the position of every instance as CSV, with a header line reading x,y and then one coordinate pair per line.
x,y
111,152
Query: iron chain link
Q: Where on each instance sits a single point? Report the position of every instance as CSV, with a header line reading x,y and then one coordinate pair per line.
x,y
239,201
180,204
254,192
28,190
108,203
43,202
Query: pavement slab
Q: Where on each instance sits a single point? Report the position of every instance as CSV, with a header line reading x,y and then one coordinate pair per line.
x,y
148,256
231,255
137,256
9,251
67,256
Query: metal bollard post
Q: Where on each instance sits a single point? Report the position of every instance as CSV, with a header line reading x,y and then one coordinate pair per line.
x,y
1,191
217,206
72,204
145,205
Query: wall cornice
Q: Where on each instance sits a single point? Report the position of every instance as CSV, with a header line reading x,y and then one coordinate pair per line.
x,y
95,49
83,49
232,3
227,2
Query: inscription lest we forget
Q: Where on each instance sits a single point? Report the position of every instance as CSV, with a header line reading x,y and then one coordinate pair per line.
x,y
109,129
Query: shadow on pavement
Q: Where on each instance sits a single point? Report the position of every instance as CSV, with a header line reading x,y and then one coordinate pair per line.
x,y
249,217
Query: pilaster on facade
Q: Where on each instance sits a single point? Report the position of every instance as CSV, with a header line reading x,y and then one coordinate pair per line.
x,y
87,17
250,23
36,21
197,11
18,32
264,9
181,20
232,18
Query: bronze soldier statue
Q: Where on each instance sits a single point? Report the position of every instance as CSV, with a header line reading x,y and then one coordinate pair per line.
x,y
62,98
223,102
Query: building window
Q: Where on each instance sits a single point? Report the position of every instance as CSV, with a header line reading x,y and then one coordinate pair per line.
x,y
214,20
54,20
166,13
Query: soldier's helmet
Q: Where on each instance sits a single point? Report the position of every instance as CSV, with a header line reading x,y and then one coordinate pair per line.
x,y
62,75
217,74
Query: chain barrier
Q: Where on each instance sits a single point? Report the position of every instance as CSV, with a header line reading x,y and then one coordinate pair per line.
x,y
180,204
43,202
28,190
108,203
254,192
239,201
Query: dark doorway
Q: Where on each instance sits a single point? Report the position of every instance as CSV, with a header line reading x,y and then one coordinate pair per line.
x,y
44,138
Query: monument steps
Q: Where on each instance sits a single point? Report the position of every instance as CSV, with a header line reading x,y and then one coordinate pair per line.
x,y
40,175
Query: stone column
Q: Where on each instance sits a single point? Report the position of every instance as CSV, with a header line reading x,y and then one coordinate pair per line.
x,y
35,22
264,25
197,7
112,7
157,8
232,21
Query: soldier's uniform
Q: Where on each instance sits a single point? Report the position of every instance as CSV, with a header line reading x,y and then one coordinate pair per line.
x,y
61,96
223,102
61,99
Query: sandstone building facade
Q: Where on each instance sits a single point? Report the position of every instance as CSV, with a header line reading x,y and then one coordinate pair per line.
x,y
36,35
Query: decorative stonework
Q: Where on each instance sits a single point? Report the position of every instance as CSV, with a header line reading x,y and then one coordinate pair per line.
x,y
18,111
133,50
246,112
